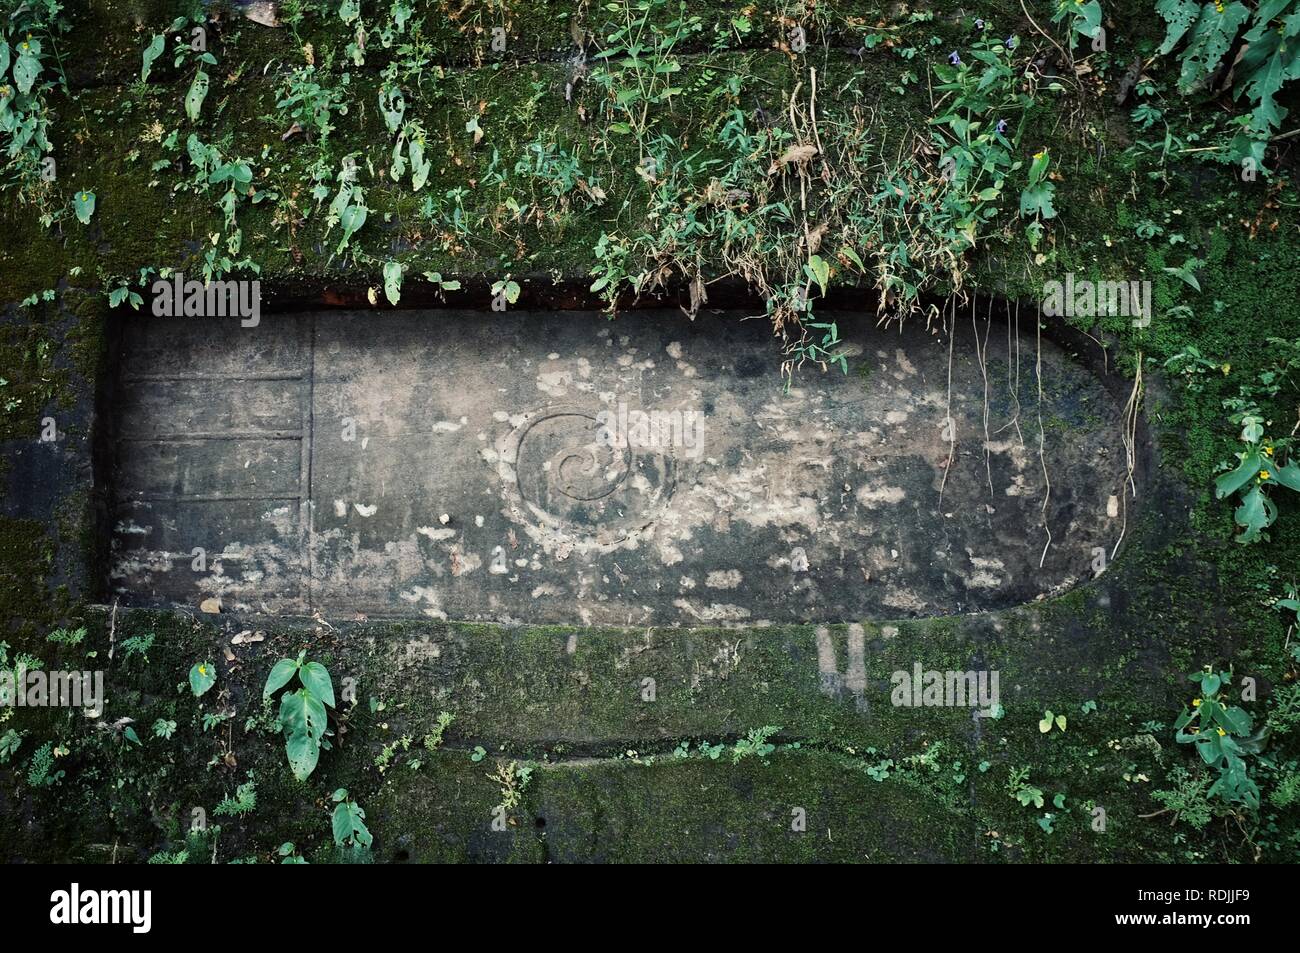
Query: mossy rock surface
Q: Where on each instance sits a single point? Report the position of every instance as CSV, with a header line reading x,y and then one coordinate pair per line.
x,y
612,776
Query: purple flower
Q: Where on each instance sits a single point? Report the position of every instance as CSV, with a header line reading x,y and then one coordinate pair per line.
x,y
979,24
1011,42
954,59
1002,127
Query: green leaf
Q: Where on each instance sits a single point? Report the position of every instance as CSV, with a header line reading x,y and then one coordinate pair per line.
x,y
392,104
1045,725
151,53
1255,514
392,291
1087,18
26,69
303,720
1235,720
349,826
420,166
1288,476
1038,167
1229,483
202,677
197,93
303,753
820,271
352,219
317,679
83,203
281,673
1037,200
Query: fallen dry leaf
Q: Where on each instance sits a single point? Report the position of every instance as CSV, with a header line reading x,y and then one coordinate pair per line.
x,y
793,154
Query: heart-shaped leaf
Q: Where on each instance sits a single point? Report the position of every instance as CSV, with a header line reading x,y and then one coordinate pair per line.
x,y
281,673
317,680
202,677
83,203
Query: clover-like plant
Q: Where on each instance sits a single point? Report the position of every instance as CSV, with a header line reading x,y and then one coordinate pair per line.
x,y
303,717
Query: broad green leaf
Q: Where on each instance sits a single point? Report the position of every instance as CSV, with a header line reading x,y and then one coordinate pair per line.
x,y
397,167
281,674
26,69
303,753
1088,18
197,93
83,203
820,271
1038,167
1229,483
1207,746
852,256
1288,476
348,824
420,166
1235,720
314,675
352,218
202,677
1255,514
392,104
1037,200
151,53
303,720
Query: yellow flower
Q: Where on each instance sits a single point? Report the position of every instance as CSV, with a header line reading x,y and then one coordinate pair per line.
x,y
1226,368
1196,703
203,670
1264,474
1268,451
1222,732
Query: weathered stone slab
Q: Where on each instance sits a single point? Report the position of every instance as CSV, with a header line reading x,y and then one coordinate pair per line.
x,y
560,467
